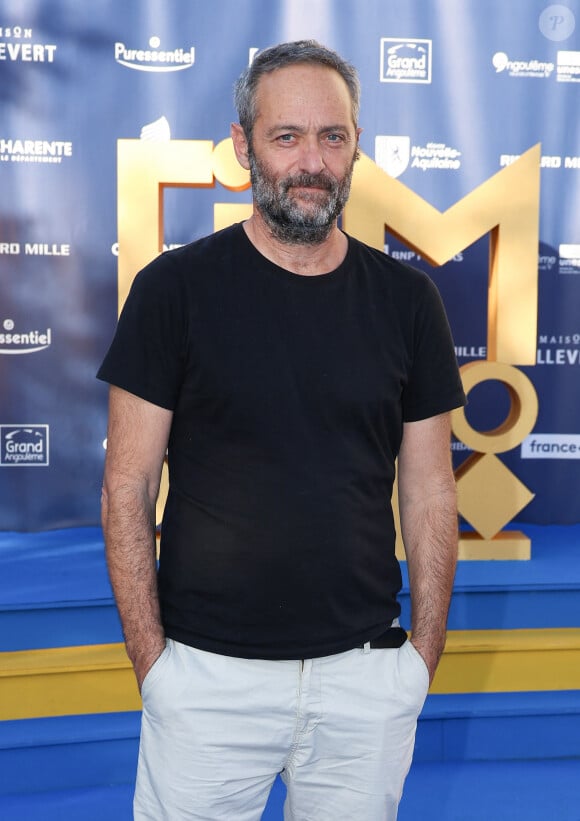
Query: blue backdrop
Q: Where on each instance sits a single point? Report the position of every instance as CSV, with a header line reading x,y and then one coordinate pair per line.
x,y
471,86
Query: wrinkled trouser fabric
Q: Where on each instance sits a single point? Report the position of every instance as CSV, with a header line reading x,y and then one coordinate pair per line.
x,y
217,730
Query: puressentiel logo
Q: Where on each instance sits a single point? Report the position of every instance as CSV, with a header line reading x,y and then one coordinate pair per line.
x,y
405,61
154,58
13,341
24,446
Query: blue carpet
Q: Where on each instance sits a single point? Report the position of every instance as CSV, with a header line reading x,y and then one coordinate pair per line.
x,y
514,791
55,589
55,592
493,791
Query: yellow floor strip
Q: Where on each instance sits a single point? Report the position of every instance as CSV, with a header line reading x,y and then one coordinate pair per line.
x,y
99,679
500,661
67,681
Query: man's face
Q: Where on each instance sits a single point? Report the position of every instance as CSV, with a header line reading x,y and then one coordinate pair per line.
x,y
303,151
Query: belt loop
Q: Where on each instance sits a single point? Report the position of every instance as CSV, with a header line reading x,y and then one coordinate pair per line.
x,y
367,647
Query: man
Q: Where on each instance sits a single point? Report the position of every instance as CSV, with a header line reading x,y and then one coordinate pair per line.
x,y
284,366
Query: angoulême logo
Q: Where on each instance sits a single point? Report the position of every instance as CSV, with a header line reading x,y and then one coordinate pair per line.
x,y
23,445
154,58
405,60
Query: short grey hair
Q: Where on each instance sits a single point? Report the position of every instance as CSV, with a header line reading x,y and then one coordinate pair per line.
x,y
282,56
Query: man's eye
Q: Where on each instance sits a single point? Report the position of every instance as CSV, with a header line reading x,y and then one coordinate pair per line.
x,y
335,138
286,138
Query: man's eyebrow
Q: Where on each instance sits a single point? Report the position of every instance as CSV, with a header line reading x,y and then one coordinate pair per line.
x,y
277,129
297,129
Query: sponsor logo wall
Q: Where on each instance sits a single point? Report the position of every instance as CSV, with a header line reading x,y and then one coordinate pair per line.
x,y
448,102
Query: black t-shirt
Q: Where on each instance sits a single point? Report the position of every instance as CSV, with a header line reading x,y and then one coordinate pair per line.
x,y
289,395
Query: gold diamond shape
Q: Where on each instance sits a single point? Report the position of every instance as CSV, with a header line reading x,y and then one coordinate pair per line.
x,y
489,495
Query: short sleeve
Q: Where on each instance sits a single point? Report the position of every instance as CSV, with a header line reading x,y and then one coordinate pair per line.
x,y
146,356
434,384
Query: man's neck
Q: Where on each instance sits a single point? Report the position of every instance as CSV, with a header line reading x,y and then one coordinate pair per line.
x,y
306,260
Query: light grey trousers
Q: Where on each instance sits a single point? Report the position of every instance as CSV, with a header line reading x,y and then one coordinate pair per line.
x,y
217,730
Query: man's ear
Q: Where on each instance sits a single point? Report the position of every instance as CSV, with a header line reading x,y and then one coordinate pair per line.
x,y
240,145
357,152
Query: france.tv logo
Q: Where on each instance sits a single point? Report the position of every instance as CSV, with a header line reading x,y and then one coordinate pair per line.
x,y
24,445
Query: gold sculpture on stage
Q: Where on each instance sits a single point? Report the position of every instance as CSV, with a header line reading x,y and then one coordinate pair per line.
x,y
506,207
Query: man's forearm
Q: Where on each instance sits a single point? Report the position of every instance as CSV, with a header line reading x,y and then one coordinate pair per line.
x,y
430,537
128,524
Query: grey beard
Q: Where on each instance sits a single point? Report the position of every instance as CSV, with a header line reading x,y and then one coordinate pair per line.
x,y
285,219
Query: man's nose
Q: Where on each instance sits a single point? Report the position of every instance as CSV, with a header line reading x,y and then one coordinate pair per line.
x,y
311,159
